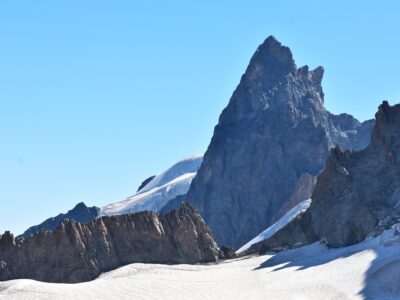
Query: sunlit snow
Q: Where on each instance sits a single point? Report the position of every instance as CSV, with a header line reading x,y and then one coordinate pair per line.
x,y
172,182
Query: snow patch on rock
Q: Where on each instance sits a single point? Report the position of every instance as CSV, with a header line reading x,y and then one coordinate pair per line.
x,y
289,216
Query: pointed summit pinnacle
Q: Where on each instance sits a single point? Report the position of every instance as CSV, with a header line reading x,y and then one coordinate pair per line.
x,y
271,59
271,40
273,48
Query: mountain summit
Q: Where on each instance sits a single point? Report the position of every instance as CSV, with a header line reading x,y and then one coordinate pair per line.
x,y
274,133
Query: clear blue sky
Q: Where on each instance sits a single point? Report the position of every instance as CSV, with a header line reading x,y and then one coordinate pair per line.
x,y
95,96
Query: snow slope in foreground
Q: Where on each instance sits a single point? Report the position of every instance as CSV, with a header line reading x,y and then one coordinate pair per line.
x,y
369,270
153,196
289,216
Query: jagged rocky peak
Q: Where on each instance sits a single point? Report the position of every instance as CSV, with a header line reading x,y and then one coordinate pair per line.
x,y
7,240
274,133
271,60
315,76
78,252
270,70
356,192
387,123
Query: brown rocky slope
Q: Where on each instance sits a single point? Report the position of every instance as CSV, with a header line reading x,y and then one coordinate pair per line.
x,y
78,252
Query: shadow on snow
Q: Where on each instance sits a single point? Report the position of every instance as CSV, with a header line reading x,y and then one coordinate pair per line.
x,y
382,280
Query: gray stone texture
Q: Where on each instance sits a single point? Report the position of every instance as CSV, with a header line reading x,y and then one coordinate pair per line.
x,y
274,132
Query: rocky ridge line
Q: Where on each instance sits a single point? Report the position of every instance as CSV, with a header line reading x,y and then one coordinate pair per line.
x,y
78,252
357,194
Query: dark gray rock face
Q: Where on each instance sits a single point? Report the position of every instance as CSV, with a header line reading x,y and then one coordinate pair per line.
x,y
80,213
274,131
356,194
78,252
355,188
226,252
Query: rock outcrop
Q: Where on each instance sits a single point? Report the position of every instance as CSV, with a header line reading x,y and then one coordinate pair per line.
x,y
226,252
356,195
274,131
146,181
78,252
80,213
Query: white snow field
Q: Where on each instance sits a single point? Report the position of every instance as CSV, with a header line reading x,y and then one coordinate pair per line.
x,y
369,270
173,182
289,216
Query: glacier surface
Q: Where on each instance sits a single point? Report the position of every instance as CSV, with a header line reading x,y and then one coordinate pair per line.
x,y
153,196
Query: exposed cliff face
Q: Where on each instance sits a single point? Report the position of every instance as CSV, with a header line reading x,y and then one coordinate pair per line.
x,y
274,131
80,252
80,213
357,192
354,191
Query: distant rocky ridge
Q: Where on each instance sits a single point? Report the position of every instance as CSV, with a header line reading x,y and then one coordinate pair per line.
x,y
78,252
356,195
271,140
80,213
152,194
348,132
